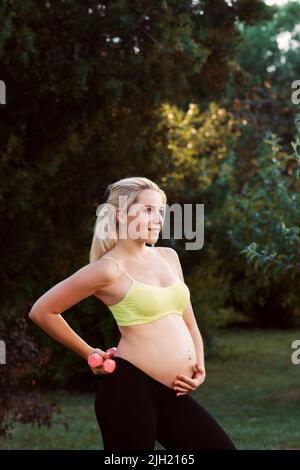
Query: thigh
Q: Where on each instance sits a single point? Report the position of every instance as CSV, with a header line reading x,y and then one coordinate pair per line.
x,y
182,423
126,413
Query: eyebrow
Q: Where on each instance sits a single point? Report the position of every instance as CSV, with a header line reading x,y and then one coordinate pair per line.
x,y
152,205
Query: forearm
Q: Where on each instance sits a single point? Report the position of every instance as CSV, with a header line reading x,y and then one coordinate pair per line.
x,y
56,326
198,343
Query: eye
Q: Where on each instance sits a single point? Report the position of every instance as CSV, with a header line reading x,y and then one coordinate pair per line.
x,y
162,212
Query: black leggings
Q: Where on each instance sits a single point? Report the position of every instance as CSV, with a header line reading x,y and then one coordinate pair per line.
x,y
134,410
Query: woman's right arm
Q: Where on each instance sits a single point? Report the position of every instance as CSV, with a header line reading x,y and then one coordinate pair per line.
x,y
46,311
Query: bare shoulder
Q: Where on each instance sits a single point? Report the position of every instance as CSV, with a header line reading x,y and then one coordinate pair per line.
x,y
170,252
107,270
173,257
99,273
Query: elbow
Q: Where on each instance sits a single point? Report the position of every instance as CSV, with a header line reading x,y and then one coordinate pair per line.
x,y
38,316
33,314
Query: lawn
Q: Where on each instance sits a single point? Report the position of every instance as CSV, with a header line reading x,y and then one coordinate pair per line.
x,y
251,388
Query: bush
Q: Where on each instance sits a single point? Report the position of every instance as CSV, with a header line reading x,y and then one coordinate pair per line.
x,y
264,219
20,399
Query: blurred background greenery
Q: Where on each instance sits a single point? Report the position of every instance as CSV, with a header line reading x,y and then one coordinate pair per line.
x,y
196,95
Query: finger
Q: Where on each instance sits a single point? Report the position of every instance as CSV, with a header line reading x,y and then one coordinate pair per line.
x,y
185,380
183,386
181,389
98,370
179,394
102,353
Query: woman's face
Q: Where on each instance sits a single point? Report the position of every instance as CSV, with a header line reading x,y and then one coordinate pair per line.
x,y
146,216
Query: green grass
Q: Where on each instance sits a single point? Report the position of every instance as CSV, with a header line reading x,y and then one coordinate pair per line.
x,y
251,388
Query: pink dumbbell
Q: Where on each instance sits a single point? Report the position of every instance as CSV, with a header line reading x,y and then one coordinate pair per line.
x,y
112,350
95,360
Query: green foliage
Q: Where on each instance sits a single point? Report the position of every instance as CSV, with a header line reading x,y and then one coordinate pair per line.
x,y
258,218
259,88
198,144
20,398
271,198
264,221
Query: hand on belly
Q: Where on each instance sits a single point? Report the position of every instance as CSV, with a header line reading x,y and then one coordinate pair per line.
x,y
184,384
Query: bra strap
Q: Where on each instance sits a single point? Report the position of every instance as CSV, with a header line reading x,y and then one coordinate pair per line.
x,y
109,257
168,261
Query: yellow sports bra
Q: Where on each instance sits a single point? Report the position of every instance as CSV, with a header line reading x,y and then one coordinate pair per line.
x,y
145,303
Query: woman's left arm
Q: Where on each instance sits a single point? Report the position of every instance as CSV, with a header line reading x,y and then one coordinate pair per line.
x,y
191,323
198,343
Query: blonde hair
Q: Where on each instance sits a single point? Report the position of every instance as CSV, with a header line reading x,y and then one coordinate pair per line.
x,y
130,188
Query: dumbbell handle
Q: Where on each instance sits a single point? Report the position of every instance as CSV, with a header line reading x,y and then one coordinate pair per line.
x,y
96,360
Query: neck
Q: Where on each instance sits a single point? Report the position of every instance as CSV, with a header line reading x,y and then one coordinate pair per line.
x,y
135,248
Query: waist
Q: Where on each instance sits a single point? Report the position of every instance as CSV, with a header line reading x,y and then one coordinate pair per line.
x,y
129,371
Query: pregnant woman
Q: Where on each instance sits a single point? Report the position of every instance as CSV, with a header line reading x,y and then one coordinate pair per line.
x,y
159,358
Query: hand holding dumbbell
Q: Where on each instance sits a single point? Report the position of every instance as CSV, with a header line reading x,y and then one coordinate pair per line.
x,y
100,361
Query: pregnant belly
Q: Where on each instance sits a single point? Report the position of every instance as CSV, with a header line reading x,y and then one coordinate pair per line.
x,y
162,349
